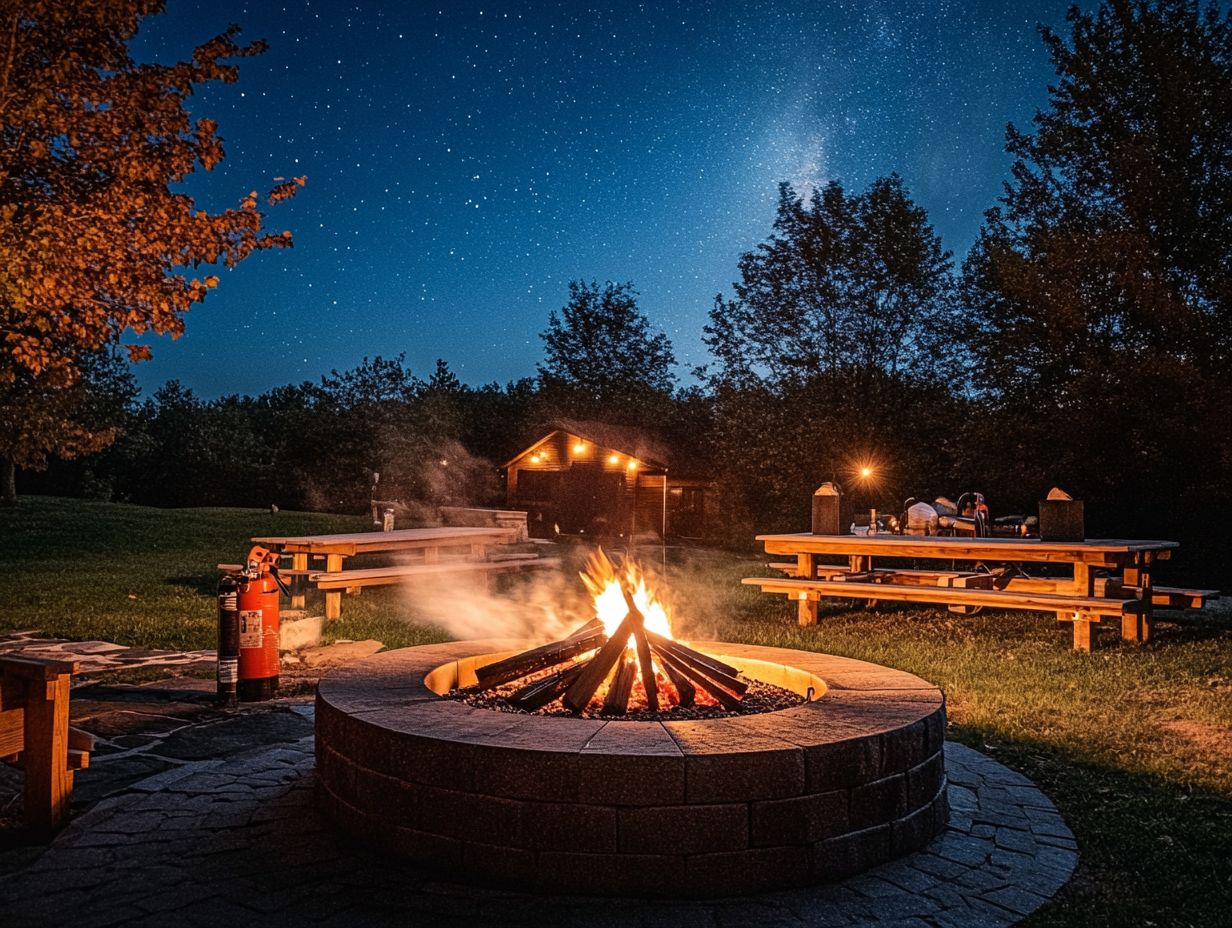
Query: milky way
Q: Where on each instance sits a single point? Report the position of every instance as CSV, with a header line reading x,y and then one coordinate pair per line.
x,y
465,161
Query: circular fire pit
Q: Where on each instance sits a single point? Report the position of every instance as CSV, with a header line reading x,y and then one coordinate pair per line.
x,y
849,779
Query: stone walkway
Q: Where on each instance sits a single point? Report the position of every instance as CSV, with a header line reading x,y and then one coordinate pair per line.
x,y
98,657
223,834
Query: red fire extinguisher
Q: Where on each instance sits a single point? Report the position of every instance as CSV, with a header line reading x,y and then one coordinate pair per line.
x,y
257,603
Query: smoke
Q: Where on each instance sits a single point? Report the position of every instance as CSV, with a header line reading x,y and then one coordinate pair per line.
x,y
444,474
536,607
547,605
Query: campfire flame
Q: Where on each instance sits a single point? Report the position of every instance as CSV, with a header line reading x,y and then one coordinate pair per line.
x,y
650,669
604,583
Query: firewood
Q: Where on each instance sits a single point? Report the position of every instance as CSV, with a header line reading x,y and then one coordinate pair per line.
x,y
647,667
527,662
694,655
538,694
686,692
643,651
723,673
579,694
617,699
725,698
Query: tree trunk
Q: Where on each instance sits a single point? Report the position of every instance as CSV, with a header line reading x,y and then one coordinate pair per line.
x,y
8,486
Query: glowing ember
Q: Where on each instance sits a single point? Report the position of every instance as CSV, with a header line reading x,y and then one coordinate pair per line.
x,y
601,579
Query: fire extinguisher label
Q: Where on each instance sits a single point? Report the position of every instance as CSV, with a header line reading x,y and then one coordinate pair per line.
x,y
228,602
250,628
228,670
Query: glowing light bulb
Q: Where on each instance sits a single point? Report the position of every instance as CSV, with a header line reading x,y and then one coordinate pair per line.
x,y
614,459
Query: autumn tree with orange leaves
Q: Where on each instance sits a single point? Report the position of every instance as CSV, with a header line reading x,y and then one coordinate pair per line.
x,y
96,242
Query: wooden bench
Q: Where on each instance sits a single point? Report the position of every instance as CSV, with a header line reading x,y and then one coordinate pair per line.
x,y
1081,610
1167,597
334,582
892,575
36,736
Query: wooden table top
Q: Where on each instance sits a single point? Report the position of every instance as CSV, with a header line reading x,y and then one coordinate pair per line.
x,y
1008,549
397,540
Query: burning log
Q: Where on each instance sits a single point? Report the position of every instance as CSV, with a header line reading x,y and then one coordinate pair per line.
x,y
584,639
538,694
643,652
617,699
725,698
685,690
646,663
579,694
699,663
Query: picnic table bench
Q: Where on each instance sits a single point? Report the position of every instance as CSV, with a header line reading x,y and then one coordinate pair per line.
x,y
36,736
1084,598
380,576
437,550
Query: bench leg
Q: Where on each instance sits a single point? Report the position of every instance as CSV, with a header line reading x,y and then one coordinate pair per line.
x,y
1084,580
298,562
48,781
806,611
1084,634
333,598
1138,628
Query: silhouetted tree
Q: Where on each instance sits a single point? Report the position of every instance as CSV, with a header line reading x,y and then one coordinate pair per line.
x,y
835,349
602,359
1101,285
846,283
42,417
201,452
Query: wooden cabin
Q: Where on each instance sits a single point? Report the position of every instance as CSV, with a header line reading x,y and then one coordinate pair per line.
x,y
591,478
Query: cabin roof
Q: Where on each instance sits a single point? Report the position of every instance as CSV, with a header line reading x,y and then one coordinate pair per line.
x,y
637,443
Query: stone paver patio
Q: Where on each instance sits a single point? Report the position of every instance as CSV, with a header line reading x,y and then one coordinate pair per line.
x,y
224,833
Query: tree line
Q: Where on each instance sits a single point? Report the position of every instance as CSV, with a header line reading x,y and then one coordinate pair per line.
x,y
1084,341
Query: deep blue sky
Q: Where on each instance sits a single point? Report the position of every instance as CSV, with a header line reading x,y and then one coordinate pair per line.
x,y
466,160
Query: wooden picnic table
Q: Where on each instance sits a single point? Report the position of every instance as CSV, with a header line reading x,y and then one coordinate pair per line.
x,y
1083,598
430,542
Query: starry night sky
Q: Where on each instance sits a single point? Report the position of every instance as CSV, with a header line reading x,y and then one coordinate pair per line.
x,y
465,161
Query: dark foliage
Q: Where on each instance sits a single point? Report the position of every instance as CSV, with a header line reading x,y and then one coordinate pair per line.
x,y
601,359
1101,285
45,415
834,352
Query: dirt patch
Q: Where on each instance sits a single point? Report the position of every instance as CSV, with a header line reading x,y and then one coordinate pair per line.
x,y
1207,737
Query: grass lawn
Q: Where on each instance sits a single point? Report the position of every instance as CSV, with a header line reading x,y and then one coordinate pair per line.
x,y
1133,743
